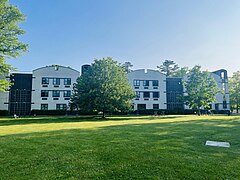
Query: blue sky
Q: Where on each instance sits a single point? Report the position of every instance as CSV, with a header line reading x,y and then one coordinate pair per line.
x,y
144,32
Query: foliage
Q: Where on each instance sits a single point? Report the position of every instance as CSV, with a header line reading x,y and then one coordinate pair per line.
x,y
182,72
103,88
142,147
234,90
201,89
127,67
168,67
10,46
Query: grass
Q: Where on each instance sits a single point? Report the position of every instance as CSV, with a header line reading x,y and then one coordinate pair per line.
x,y
145,147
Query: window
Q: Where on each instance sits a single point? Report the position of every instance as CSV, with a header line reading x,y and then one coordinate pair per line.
x,y
155,106
136,82
44,106
61,106
44,93
137,94
55,93
145,83
155,94
67,93
45,80
224,104
56,81
141,106
155,82
67,81
146,94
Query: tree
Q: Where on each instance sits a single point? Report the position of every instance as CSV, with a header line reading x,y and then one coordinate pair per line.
x,y
182,72
103,88
234,90
10,46
201,89
168,67
127,67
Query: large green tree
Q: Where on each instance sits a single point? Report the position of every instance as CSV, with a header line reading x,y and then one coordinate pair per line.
x,y
181,72
104,87
10,46
234,90
201,89
168,67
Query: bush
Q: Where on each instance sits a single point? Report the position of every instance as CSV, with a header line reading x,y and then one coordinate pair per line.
x,y
4,113
48,112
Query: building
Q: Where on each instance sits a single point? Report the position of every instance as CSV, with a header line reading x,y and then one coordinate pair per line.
x,y
150,88
156,91
52,87
46,88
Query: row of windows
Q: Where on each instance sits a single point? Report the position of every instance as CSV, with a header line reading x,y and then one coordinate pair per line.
x,y
145,82
58,106
55,93
143,106
147,94
56,81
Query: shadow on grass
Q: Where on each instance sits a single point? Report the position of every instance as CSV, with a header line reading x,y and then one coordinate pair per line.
x,y
64,119
167,150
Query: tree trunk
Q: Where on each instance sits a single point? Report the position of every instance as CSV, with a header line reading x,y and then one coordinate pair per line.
x,y
237,103
199,112
103,115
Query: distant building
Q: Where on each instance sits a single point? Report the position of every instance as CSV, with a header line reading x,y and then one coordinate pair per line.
x,y
156,91
52,87
46,88
150,88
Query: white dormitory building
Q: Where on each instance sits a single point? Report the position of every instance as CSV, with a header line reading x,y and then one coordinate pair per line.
x,y
49,88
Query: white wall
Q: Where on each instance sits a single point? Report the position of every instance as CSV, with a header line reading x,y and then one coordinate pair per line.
x,y
4,98
148,74
51,72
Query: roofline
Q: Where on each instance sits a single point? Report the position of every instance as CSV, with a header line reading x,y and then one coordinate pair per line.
x,y
54,66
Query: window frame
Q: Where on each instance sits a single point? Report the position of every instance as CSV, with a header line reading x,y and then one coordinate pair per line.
x,y
44,93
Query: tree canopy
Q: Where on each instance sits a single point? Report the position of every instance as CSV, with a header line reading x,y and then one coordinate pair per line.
x,y
127,66
104,87
10,46
201,89
168,67
234,90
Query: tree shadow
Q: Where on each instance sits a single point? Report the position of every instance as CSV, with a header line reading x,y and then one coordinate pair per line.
x,y
65,119
164,149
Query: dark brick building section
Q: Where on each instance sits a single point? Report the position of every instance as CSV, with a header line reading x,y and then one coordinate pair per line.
x,y
20,94
174,90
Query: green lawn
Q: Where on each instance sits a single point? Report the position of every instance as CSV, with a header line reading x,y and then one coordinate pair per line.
x,y
167,147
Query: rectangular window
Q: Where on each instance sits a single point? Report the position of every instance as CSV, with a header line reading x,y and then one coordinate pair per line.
x,y
224,104
145,83
44,93
146,94
137,94
55,93
67,81
136,82
155,82
67,93
141,106
155,94
45,80
61,106
56,81
44,106
155,106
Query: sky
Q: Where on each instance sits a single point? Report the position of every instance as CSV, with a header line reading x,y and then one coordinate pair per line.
x,y
143,32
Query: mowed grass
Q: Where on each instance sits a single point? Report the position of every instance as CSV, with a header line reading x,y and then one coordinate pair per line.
x,y
145,147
